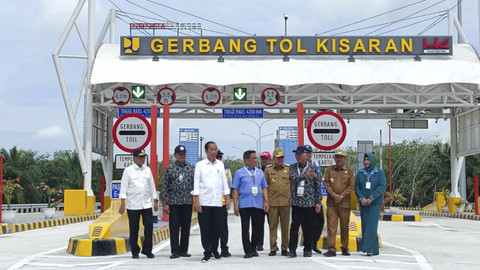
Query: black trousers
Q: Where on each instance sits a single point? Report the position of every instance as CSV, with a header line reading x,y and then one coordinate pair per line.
x,y
180,219
257,217
224,230
134,223
262,231
210,221
318,222
301,216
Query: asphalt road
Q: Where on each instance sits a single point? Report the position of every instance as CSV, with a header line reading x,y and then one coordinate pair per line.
x,y
434,243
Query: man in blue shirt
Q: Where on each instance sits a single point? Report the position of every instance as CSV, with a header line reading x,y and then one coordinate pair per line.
x,y
250,198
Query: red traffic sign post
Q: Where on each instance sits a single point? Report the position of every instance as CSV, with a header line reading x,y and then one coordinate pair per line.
x,y
132,131
326,130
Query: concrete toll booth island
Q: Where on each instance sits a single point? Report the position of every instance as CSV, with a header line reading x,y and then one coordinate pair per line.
x,y
428,77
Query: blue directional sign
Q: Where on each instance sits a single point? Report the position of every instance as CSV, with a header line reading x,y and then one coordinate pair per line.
x,y
242,113
116,184
189,138
145,112
288,141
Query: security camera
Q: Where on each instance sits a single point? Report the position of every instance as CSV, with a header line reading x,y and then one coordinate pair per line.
x,y
285,15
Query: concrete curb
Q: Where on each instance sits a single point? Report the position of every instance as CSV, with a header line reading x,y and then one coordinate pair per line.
x,y
12,228
81,245
451,215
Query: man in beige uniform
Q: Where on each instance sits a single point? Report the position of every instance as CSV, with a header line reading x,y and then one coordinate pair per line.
x,y
339,182
278,180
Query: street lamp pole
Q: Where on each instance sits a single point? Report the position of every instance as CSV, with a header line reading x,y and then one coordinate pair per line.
x,y
285,16
259,142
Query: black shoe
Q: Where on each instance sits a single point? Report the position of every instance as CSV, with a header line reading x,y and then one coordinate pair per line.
x,y
307,254
184,254
329,254
284,253
259,248
149,255
345,252
135,257
225,253
255,254
216,255
248,256
174,256
317,250
205,259
369,254
272,253
292,254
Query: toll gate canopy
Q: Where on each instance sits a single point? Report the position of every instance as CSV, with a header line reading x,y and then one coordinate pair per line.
x,y
370,87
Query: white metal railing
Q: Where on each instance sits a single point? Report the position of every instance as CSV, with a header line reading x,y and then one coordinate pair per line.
x,y
36,207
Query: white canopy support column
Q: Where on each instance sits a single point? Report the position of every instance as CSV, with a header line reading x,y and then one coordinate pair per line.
x,y
455,161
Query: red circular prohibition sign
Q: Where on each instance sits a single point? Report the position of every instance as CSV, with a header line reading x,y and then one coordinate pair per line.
x,y
326,125
117,141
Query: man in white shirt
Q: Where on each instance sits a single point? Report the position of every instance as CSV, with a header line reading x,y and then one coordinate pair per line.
x,y
209,186
137,192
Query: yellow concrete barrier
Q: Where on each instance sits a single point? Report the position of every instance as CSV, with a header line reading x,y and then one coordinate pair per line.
x,y
452,208
90,205
75,202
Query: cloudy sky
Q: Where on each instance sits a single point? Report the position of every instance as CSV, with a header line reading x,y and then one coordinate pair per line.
x,y
32,111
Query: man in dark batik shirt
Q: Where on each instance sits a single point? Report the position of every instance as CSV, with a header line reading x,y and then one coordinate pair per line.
x,y
306,199
177,201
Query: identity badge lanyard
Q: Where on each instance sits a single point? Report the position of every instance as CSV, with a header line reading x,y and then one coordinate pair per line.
x,y
254,188
368,184
301,187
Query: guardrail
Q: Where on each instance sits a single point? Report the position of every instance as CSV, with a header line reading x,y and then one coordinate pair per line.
x,y
36,207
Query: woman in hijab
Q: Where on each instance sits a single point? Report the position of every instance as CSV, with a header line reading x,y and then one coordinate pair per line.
x,y
369,186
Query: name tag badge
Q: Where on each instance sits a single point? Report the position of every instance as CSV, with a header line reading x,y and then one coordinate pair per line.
x,y
367,185
300,191
302,183
254,191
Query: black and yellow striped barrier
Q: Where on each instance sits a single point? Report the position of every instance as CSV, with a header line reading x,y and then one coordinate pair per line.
x,y
4,229
401,218
11,228
452,215
81,245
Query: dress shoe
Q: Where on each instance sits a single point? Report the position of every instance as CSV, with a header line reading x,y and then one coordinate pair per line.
x,y
292,254
329,254
206,259
307,254
255,254
135,257
174,256
284,253
345,252
369,254
248,256
272,253
216,255
225,253
259,248
184,254
317,250
149,255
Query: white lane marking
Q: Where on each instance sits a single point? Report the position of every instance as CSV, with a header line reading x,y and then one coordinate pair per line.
x,y
154,250
27,259
421,260
431,224
324,262
372,259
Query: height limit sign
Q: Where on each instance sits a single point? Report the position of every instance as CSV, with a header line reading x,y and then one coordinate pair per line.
x,y
326,130
132,131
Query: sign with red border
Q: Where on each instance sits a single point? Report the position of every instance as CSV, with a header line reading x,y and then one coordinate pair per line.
x,y
166,96
326,130
132,131
211,96
270,96
121,96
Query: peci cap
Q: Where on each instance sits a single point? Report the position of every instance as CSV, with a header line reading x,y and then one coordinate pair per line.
x,y
340,152
139,152
265,155
180,149
219,154
278,152
309,148
301,149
